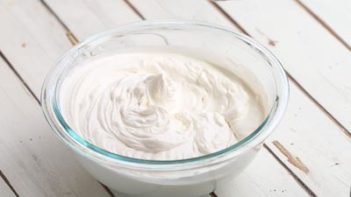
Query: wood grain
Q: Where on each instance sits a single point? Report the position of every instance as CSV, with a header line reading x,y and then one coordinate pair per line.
x,y
31,39
314,57
90,16
5,189
334,14
309,135
31,156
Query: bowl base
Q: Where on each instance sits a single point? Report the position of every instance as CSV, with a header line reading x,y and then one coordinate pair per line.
x,y
119,194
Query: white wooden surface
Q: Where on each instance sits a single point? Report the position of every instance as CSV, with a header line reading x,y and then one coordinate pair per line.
x,y
335,14
313,56
31,39
32,159
5,189
309,155
89,16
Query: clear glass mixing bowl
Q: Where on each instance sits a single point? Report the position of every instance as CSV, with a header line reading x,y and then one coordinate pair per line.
x,y
188,177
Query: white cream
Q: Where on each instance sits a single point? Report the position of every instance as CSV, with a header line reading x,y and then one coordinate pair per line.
x,y
158,105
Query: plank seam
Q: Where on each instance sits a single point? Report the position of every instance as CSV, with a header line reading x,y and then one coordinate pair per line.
x,y
228,17
51,12
70,36
326,112
291,78
135,10
297,179
213,194
108,190
2,175
19,76
324,24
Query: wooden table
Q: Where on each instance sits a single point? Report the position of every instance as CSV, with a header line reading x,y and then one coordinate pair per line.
x,y
308,155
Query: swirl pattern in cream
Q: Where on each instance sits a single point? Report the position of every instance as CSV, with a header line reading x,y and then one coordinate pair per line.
x,y
154,105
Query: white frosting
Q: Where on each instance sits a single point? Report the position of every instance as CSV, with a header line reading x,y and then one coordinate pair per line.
x,y
157,105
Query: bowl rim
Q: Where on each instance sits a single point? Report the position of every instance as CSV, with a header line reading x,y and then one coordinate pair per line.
x,y
56,121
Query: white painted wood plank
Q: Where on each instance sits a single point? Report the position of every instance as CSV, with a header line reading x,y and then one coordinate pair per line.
x,y
323,150
262,178
337,14
5,190
320,146
310,53
259,185
31,39
90,16
183,10
33,159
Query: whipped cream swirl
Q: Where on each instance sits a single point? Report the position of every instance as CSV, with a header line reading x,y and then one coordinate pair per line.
x,y
154,105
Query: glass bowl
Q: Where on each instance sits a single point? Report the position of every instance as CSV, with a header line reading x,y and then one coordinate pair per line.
x,y
235,52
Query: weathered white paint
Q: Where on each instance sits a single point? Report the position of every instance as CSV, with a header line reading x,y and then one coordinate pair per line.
x,y
310,53
89,16
320,145
336,14
34,161
5,191
258,180
198,10
31,39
